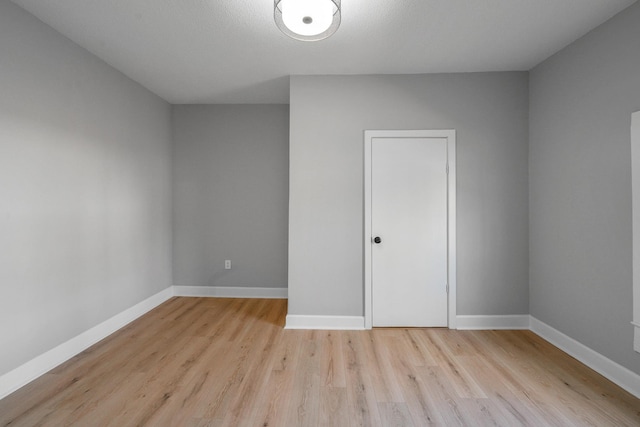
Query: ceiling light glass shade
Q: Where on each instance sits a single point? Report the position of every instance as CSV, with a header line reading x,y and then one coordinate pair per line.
x,y
307,20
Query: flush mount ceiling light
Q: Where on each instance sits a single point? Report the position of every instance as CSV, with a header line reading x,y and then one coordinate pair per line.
x,y
307,20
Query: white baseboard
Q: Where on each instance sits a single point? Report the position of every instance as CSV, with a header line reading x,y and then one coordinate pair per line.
x,y
516,321
22,375
606,367
229,292
298,321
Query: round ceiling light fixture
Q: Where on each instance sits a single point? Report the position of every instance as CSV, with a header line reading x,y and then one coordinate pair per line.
x,y
307,20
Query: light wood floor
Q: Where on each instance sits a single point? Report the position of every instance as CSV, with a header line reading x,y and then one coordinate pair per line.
x,y
205,361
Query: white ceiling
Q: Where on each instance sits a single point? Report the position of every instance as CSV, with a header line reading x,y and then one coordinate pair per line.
x,y
230,51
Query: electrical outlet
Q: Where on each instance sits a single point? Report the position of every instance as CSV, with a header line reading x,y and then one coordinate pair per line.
x,y
227,264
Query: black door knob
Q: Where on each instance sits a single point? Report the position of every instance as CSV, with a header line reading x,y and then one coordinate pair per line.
x,y
377,239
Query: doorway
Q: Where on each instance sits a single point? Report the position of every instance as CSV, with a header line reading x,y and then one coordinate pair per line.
x,y
409,243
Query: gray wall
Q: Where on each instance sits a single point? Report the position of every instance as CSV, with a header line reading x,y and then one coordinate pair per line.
x,y
85,190
231,194
580,192
328,115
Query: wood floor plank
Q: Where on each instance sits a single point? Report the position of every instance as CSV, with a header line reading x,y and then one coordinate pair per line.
x,y
304,404
363,407
523,388
229,362
369,354
385,350
333,406
271,408
332,367
424,402
514,410
457,376
395,414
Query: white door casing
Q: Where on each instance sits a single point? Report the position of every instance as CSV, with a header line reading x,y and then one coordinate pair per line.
x,y
413,196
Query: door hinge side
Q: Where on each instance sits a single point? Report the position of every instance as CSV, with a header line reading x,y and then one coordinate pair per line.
x,y
447,168
447,288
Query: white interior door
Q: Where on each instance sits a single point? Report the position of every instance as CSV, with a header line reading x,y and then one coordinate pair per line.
x,y
409,231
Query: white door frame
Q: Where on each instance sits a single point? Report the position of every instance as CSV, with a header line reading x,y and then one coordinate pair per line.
x,y
450,135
